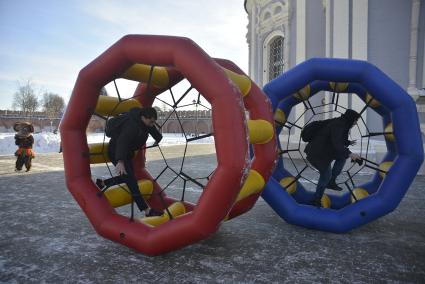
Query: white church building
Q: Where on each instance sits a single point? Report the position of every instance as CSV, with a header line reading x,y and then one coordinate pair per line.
x,y
387,33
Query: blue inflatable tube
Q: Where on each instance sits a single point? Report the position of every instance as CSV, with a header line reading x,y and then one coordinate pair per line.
x,y
404,155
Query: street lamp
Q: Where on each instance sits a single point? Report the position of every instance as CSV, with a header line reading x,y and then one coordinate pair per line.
x,y
196,115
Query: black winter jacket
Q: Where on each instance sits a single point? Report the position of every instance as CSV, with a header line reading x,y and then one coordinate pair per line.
x,y
132,136
330,144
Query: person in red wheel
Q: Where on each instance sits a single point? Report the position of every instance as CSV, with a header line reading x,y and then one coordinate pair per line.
x,y
129,133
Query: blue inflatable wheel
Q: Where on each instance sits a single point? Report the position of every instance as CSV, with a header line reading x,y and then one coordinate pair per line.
x,y
360,204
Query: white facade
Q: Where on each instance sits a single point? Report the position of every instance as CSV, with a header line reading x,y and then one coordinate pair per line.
x,y
387,33
268,21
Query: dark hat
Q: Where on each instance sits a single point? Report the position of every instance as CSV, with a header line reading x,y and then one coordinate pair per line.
x,y
351,116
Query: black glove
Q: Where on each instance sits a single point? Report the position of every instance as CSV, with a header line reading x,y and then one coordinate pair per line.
x,y
359,162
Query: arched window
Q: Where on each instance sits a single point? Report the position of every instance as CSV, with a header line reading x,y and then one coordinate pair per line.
x,y
276,62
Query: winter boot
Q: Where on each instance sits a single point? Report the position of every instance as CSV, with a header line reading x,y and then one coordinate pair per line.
x,y
332,185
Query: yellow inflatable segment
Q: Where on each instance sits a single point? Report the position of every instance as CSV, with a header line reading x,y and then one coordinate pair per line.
x,y
280,116
389,128
304,93
99,153
176,209
111,106
291,182
371,101
253,184
260,131
385,166
140,73
338,87
326,201
243,82
119,195
359,193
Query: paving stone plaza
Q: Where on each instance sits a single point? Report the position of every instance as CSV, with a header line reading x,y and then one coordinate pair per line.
x,y
46,238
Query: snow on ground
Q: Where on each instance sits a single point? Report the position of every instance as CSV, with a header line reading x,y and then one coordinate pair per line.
x,y
48,142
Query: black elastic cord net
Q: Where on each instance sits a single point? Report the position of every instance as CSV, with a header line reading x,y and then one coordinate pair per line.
x,y
179,173
299,170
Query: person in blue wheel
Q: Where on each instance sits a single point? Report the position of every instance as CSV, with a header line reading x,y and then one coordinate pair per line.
x,y
330,143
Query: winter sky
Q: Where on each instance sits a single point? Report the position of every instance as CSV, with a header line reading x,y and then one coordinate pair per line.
x,y
49,41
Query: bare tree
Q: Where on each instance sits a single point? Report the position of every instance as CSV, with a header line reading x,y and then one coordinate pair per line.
x,y
53,106
25,99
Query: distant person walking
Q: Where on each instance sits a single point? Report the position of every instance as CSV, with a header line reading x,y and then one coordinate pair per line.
x,y
24,140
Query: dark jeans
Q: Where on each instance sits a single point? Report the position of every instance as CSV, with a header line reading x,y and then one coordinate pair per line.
x,y
131,182
326,175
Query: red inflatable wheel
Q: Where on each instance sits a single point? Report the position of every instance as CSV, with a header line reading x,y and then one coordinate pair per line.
x,y
178,58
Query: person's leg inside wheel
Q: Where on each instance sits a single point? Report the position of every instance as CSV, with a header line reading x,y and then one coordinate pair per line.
x,y
325,171
110,181
131,182
325,176
336,171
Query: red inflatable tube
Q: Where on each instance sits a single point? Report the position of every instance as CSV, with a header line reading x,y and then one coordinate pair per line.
x,y
265,155
230,136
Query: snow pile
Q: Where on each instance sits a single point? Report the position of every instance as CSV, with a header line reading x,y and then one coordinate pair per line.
x,y
44,142
7,143
47,142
